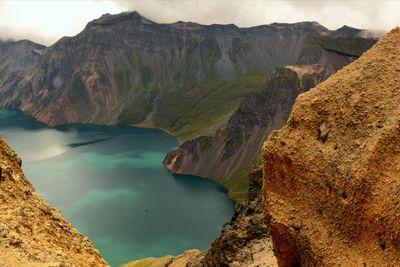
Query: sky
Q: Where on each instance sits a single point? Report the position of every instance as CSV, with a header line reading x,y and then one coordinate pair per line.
x,y
47,21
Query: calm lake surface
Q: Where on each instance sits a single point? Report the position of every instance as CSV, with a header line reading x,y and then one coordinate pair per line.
x,y
109,182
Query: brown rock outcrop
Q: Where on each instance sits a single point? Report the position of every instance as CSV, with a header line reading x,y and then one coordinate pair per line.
x,y
245,240
332,174
32,233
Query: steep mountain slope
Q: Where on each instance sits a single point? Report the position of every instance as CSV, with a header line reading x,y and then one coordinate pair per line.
x,y
18,55
332,174
228,154
183,77
245,240
199,82
32,233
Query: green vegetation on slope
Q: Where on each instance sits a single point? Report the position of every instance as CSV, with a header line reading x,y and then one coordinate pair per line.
x,y
238,183
203,108
137,109
347,46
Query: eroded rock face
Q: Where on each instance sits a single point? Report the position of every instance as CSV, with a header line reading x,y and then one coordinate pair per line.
x,y
32,233
18,55
237,147
332,174
245,240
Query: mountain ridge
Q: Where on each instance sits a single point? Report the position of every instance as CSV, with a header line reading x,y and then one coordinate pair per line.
x,y
228,155
132,30
184,78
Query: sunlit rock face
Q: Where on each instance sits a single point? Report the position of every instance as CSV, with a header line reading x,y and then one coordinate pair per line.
x,y
32,233
332,174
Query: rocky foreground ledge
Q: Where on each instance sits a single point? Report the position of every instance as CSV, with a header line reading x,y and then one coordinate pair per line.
x,y
332,174
33,233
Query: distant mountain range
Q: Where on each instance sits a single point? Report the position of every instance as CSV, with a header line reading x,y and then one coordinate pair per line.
x,y
215,84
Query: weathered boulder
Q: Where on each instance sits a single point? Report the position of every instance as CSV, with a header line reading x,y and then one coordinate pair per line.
x,y
332,174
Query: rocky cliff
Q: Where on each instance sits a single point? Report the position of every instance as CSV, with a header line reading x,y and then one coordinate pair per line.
x,y
126,69
228,154
18,55
245,240
32,233
332,174
192,80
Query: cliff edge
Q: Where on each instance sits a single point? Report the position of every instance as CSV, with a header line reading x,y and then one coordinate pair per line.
x,y
32,233
332,174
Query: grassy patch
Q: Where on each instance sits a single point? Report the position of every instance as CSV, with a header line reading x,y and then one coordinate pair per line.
x,y
208,143
238,185
193,110
137,110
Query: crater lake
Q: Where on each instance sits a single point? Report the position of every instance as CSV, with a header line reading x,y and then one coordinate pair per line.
x,y
109,182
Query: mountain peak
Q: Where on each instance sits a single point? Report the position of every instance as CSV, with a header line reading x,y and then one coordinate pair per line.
x,y
345,31
306,25
110,19
182,25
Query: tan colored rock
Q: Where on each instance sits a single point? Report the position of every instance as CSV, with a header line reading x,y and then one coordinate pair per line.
x,y
332,174
166,261
150,262
33,233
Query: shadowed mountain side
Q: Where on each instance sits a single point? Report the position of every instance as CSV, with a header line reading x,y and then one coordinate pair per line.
x,y
183,77
228,154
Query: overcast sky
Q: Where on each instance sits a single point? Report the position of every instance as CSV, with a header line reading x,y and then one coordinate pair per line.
x,y
47,21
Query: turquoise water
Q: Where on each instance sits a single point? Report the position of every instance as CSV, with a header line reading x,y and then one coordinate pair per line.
x,y
110,183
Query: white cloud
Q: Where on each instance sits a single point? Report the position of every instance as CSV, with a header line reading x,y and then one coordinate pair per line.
x,y
47,21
